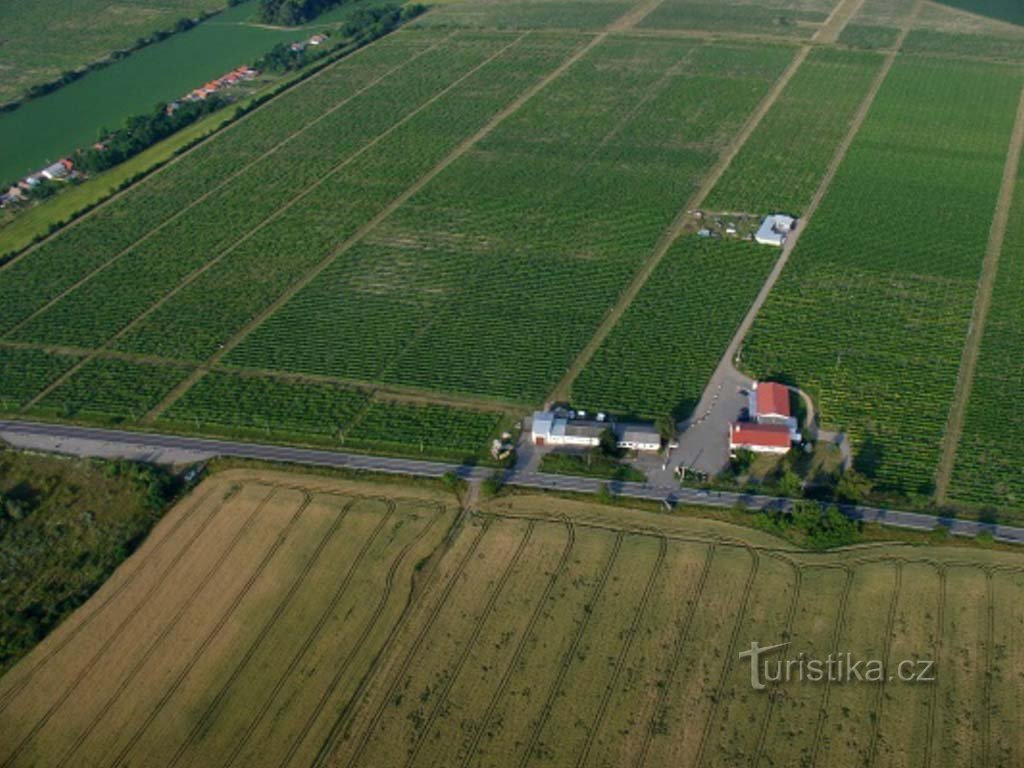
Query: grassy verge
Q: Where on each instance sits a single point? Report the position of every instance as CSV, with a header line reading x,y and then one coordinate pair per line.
x,y
65,526
590,465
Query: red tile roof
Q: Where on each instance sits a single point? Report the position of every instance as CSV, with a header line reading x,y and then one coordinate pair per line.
x,y
772,399
766,435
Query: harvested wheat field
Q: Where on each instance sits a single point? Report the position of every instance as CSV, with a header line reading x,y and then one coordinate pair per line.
x,y
283,620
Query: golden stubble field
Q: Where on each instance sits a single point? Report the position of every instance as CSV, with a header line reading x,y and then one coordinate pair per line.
x,y
284,620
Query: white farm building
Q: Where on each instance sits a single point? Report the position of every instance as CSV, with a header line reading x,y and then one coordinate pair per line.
x,y
775,229
554,430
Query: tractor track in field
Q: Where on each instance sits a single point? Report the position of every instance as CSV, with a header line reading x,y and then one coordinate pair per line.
x,y
11,693
264,630
682,641
91,664
890,628
250,233
520,650
471,641
990,631
933,704
775,694
729,657
407,660
236,600
215,188
979,313
312,637
389,584
570,653
620,661
819,729
461,149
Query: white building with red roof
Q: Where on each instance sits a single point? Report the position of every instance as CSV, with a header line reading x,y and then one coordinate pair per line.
x,y
771,428
769,404
759,438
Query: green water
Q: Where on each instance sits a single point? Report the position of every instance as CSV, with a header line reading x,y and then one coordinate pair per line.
x,y
45,129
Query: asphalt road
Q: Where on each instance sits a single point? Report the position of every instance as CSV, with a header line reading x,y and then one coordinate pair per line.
x,y
108,442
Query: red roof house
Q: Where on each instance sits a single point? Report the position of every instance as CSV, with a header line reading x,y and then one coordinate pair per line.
x,y
772,401
760,438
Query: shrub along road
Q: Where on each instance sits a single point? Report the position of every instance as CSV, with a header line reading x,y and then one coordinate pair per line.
x,y
87,441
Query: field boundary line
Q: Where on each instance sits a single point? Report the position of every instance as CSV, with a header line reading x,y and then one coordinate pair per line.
x,y
627,646
570,652
101,651
407,659
990,631
471,641
385,596
313,635
176,158
826,695
9,694
221,184
236,600
517,656
979,315
266,222
775,694
890,628
676,228
357,236
264,630
836,22
730,656
682,640
933,704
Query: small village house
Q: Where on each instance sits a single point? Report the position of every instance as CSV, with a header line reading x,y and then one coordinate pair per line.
x,y
775,229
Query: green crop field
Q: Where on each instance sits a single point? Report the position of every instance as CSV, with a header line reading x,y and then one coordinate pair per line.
x,y
660,356
790,18
780,167
986,472
551,214
42,38
495,206
280,620
871,314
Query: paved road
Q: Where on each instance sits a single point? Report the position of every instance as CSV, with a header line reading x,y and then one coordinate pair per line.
x,y
87,441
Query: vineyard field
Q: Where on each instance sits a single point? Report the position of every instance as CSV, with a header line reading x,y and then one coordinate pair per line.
x,y
985,473
783,162
659,358
789,18
869,36
26,373
32,281
527,14
302,411
194,322
111,391
871,314
532,631
259,406
218,225
551,214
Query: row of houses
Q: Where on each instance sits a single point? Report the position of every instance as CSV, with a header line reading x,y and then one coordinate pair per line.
x,y
573,430
770,426
58,171
233,77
